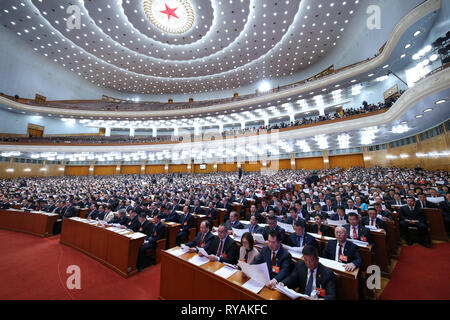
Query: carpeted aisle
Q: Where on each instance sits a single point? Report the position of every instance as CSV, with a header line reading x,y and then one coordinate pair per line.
x,y
420,274
35,268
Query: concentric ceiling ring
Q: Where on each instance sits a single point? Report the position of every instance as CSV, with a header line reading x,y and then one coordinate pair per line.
x,y
171,16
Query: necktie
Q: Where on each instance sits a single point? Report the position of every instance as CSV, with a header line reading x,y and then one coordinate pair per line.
x,y
372,222
219,252
273,258
299,241
355,235
201,240
310,283
340,252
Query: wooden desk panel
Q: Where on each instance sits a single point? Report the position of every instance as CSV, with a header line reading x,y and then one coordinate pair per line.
x,y
436,224
200,283
221,214
116,251
172,231
33,222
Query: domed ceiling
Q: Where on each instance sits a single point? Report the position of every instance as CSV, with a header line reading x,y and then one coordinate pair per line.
x,y
180,46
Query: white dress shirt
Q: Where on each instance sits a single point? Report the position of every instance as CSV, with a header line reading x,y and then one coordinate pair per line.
x,y
336,258
313,289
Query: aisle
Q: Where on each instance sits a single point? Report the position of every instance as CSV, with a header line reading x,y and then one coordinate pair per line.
x,y
35,268
420,273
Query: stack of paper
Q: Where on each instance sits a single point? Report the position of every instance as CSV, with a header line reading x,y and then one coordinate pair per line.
x,y
253,285
239,232
198,261
291,293
334,265
287,227
226,272
136,235
258,272
177,252
336,222
435,200
359,242
315,235
259,238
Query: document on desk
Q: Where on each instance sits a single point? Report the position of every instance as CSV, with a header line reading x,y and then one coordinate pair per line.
x,y
359,242
198,261
315,235
291,293
374,228
136,235
336,222
296,252
202,251
286,226
170,223
435,200
226,272
239,232
258,272
177,252
332,264
347,211
258,238
253,285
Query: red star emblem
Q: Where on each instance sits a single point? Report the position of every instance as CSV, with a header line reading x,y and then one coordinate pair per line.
x,y
170,12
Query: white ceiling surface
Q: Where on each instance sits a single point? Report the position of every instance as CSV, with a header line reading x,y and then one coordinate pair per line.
x,y
413,102
231,44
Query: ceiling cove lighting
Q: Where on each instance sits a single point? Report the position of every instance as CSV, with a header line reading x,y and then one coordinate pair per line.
x,y
441,101
321,141
400,129
368,135
264,86
344,141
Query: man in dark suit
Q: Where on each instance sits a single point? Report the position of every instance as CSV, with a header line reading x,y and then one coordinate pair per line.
x,y
272,226
122,219
223,249
412,216
173,215
423,202
197,209
318,211
339,215
445,207
187,221
300,238
328,206
204,238
310,276
253,226
318,227
293,216
277,258
233,222
356,231
397,201
254,212
211,213
343,251
153,210
157,232
133,224
101,212
144,225
386,215
69,210
372,220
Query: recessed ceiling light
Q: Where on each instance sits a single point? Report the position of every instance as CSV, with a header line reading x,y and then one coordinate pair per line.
x,y
419,116
441,101
428,110
416,33
407,46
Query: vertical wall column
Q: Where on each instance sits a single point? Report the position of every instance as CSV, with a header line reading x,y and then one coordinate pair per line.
x,y
366,157
420,160
131,132
154,132
292,157
91,168
107,131
326,160
143,167
166,166
189,166
118,167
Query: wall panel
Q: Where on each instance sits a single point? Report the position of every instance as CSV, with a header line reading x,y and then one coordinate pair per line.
x,y
127,169
209,168
178,168
77,171
104,170
251,167
315,163
346,161
227,167
154,169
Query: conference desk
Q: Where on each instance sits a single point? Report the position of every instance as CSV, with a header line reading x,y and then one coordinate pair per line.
x,y
172,229
182,280
84,212
436,224
33,222
117,251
